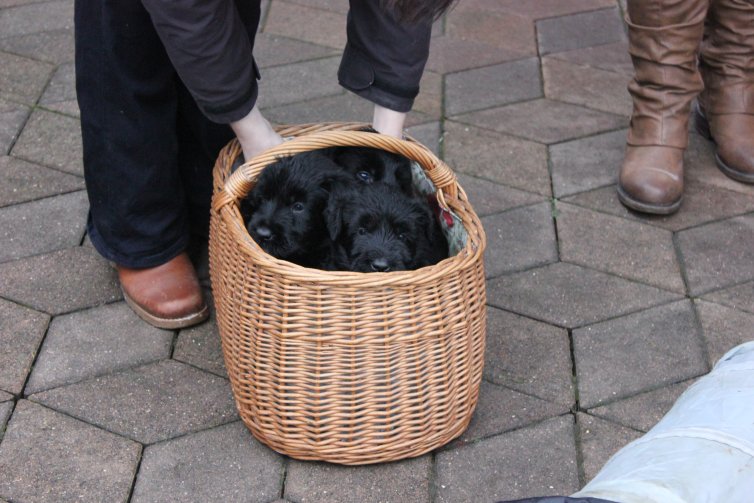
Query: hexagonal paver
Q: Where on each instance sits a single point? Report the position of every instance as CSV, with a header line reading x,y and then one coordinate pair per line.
x,y
538,9
54,46
12,118
662,343
22,79
492,86
599,440
299,22
528,356
453,54
612,57
699,164
564,33
61,281
95,342
52,140
591,239
222,464
723,328
496,157
22,181
571,296
4,397
406,480
344,107
298,82
154,402
275,50
489,198
47,456
536,460
519,239
508,31
60,94
200,345
21,332
545,121
42,226
719,254
427,134
36,17
739,297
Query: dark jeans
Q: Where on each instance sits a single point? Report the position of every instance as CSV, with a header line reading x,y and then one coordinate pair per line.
x,y
148,150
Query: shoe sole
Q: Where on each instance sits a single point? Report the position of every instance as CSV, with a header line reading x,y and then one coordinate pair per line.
x,y
167,323
701,125
653,209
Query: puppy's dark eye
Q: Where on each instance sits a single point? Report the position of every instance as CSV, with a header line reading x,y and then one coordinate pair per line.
x,y
298,207
362,231
364,176
402,236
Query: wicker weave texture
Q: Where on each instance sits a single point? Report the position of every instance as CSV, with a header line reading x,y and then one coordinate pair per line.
x,y
346,367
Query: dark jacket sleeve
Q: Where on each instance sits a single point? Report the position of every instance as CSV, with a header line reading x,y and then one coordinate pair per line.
x,y
210,44
383,60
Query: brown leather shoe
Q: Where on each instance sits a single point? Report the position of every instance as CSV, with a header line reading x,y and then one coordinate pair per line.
x,y
734,142
651,179
166,296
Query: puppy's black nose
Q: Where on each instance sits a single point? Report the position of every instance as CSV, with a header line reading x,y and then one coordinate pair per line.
x,y
380,265
264,232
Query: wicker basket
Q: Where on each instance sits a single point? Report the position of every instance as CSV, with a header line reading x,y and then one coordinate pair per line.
x,y
346,367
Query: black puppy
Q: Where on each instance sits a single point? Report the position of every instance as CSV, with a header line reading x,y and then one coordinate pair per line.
x,y
372,165
378,229
284,210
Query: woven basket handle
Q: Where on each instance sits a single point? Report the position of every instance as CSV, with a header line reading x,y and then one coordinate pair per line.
x,y
238,185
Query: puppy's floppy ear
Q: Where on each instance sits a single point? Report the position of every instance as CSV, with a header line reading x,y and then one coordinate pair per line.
x,y
334,216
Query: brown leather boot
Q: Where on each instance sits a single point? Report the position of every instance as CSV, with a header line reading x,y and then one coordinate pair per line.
x,y
166,296
664,38
726,111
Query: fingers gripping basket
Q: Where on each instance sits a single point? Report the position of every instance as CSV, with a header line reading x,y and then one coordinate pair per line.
x,y
347,367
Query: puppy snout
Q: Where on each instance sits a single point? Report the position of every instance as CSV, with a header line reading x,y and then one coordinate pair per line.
x,y
264,232
380,265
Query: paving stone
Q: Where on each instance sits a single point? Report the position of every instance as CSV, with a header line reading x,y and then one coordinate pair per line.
x,y
519,239
599,440
591,239
453,54
70,107
36,17
62,86
61,281
612,57
52,140
508,31
12,118
641,412
200,345
21,332
489,198
222,464
406,480
501,409
528,356
22,79
427,134
699,165
50,46
535,8
537,460
545,121
662,343
496,157
739,297
492,86
47,456
586,29
148,404
572,296
718,254
723,328
299,82
5,409
586,86
275,50
345,107
333,5
429,101
21,181
317,26
4,397
588,163
42,226
94,342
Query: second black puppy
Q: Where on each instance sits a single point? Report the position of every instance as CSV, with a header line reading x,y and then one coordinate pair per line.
x,y
369,165
378,229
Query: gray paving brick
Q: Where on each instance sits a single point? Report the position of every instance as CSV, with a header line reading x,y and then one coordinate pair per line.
x,y
545,121
22,79
662,343
200,345
299,82
427,134
502,29
739,297
591,239
599,440
51,46
36,17
429,101
587,163
21,332
12,118
148,404
61,281
454,54
22,181
62,86
42,226
612,57
538,9
491,86
47,456
586,29
528,356
331,5
344,107
95,342
723,328
52,140
641,412
275,50
519,239
488,198
496,157
299,22
4,397
700,165
402,481
5,410
537,460
222,464
571,296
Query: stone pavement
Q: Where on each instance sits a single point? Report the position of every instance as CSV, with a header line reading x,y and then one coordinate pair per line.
x,y
598,318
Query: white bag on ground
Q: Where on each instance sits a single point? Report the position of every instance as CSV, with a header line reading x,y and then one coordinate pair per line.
x,y
701,451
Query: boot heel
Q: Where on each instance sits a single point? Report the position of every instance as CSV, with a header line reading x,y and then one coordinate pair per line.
x,y
701,124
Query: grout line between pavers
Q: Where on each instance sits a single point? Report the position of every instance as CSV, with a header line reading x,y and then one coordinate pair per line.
x,y
42,198
571,14
136,473
529,394
579,445
284,475
432,477
701,340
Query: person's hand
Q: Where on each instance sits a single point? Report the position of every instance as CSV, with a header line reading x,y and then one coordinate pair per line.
x,y
255,134
388,121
